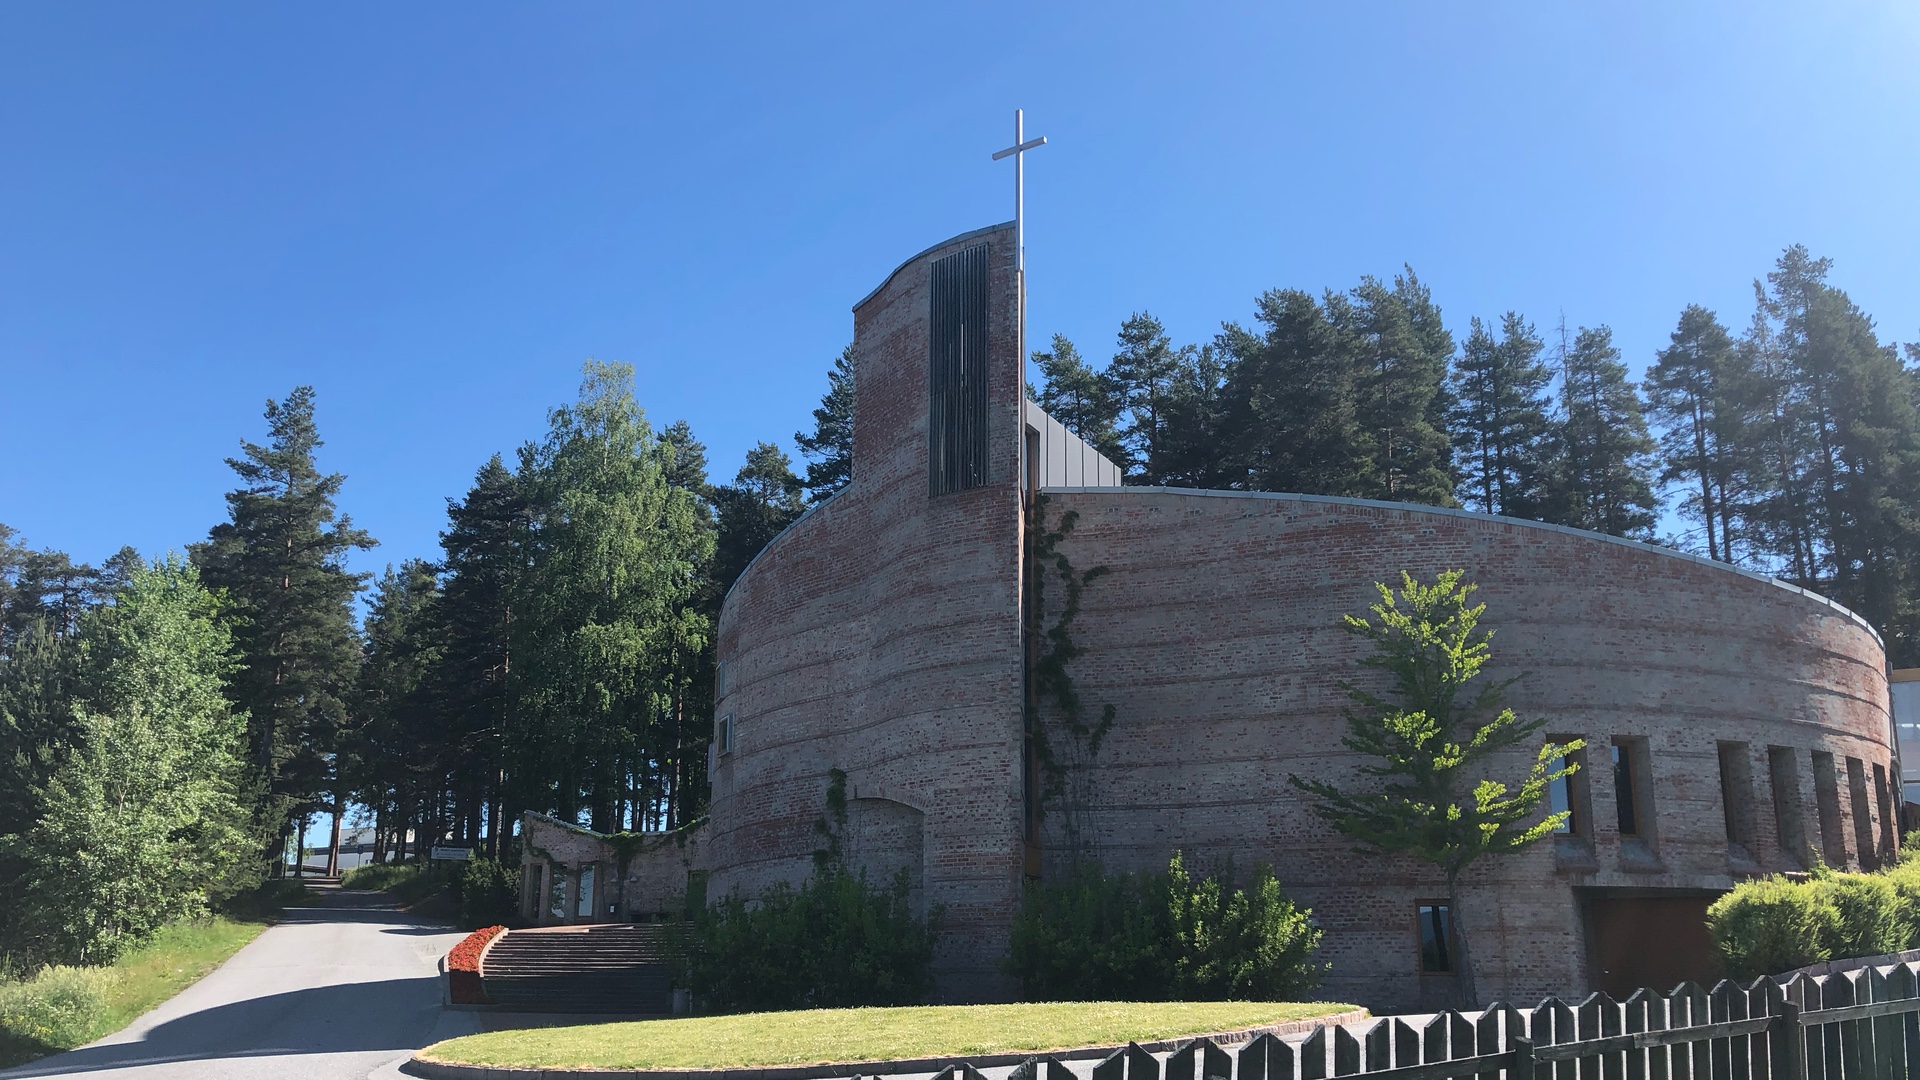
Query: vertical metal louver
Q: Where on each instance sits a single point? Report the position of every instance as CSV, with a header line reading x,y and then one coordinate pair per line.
x,y
957,373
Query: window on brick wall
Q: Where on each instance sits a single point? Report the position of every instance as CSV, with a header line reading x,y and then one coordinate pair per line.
x,y
1632,787
1736,793
957,372
1568,794
1783,769
1883,798
1434,931
723,734
1826,799
1860,805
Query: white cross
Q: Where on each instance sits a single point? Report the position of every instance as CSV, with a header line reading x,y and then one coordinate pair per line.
x,y
1018,152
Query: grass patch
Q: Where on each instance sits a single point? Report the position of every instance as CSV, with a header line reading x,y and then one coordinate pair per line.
x,y
405,882
60,1008
834,1036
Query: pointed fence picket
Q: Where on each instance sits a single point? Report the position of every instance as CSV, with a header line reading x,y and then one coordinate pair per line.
x,y
1854,1025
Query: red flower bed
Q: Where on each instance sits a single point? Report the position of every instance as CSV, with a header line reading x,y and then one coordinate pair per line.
x,y
463,966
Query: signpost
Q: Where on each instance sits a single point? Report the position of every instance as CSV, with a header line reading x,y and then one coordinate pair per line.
x,y
452,854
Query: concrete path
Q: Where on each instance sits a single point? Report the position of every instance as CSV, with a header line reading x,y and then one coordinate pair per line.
x,y
336,992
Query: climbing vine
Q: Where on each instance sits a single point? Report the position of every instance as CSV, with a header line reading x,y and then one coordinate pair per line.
x,y
1068,770
833,822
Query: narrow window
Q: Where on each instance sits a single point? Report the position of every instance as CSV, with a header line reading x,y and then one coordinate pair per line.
x,y
1860,803
719,680
957,373
557,894
1784,771
1436,937
1883,798
1826,795
1568,794
723,734
1624,789
1736,793
584,907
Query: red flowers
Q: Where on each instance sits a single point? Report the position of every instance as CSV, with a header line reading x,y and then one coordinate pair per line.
x,y
463,966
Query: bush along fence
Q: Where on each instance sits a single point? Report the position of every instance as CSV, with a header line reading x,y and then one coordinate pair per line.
x,y
1846,1026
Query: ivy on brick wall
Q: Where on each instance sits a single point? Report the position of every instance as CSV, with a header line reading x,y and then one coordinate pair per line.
x,y
1068,767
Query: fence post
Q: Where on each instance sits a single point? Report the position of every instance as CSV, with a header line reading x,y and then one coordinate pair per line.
x,y
1789,1043
1522,1067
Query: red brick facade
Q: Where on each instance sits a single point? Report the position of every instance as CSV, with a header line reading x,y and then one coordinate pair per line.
x,y
881,636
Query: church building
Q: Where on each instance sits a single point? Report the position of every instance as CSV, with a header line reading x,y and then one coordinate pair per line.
x,y
1734,725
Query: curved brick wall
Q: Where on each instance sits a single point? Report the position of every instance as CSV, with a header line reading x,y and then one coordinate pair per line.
x,y
880,635
1216,634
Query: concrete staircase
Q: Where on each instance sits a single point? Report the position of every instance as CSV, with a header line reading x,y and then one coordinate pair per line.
x,y
608,967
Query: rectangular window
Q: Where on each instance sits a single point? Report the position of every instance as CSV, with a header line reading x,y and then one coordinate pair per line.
x,y
583,908
723,734
1436,937
1568,794
557,894
1626,788
1883,798
1736,793
1860,804
719,680
1784,771
957,372
1826,795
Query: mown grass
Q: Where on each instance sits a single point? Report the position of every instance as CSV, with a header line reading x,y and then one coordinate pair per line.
x,y
834,1036
405,882
59,1008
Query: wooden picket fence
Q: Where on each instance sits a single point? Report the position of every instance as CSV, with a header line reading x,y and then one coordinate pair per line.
x,y
1857,1025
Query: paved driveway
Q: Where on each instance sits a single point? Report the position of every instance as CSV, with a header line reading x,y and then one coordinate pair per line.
x,y
338,991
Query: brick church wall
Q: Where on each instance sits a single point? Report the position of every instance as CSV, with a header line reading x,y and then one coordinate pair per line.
x,y
1216,634
880,635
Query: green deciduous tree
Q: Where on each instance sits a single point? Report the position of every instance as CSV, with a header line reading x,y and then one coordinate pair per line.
x,y
146,820
1430,744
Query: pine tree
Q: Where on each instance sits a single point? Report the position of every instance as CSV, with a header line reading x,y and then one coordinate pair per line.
x,y
1085,401
1400,392
1295,414
1196,451
1141,375
1500,422
829,449
280,561
763,499
409,741
1694,391
1600,475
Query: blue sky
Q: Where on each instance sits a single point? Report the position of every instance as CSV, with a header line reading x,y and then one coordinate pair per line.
x,y
435,212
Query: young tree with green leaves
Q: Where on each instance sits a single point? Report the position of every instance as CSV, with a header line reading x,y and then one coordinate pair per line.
x,y
280,560
829,449
147,819
1431,745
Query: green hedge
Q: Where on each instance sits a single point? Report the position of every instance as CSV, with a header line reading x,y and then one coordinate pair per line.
x,y
836,941
1166,936
1773,925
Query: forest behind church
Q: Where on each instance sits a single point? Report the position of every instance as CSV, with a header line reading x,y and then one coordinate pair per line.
x,y
556,653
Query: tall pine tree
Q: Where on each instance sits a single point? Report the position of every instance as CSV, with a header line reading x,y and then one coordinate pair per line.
x,y
281,560
1601,472
1500,419
829,448
1085,401
1695,389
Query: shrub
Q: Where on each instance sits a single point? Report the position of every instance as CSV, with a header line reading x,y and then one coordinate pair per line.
x,y
407,882
836,941
489,892
1774,925
1163,936
57,1008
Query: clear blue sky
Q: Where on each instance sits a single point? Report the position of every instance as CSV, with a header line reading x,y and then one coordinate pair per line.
x,y
435,212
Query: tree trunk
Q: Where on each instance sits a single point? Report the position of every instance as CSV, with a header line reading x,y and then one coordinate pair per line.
x,y
333,844
1469,993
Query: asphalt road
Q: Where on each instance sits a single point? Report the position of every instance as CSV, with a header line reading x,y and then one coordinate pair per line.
x,y
337,992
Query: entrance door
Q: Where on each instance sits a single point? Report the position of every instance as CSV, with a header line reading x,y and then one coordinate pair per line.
x,y
1637,939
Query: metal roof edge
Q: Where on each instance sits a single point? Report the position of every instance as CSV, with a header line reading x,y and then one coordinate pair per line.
x,y
888,280
1446,511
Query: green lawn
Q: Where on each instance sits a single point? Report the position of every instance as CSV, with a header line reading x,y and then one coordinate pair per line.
x,y
829,1036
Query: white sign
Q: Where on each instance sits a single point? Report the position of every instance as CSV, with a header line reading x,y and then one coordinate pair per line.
x,y
458,854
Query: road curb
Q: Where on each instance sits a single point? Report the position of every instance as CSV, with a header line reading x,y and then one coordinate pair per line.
x,y
429,1069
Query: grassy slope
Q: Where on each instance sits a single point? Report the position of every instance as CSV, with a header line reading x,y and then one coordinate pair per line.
x,y
851,1035
169,962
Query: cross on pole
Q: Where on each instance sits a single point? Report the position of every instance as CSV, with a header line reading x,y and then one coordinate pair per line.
x,y
1018,152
